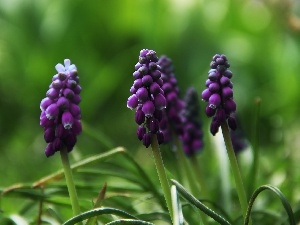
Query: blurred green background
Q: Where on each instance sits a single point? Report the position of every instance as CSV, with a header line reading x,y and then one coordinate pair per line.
x,y
261,39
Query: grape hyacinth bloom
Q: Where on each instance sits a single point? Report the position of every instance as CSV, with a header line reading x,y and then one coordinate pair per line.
x,y
172,118
60,116
192,137
219,94
147,97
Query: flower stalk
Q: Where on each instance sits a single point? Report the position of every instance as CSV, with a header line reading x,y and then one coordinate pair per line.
x,y
162,173
235,169
69,180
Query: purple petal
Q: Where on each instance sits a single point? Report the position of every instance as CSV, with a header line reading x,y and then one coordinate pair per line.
x,y
132,102
148,108
139,116
147,139
214,100
160,101
59,68
67,120
52,111
140,132
142,94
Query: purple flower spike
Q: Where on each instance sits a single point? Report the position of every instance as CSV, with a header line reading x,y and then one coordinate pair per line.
x,y
147,97
192,137
174,105
219,94
60,116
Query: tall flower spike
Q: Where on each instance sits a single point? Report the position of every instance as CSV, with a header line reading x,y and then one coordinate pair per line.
x,y
60,116
192,137
219,94
147,97
172,118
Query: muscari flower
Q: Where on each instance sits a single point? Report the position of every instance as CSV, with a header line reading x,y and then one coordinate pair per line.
x,y
219,94
192,137
172,118
147,97
60,116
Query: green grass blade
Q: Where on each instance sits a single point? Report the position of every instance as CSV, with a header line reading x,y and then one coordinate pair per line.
x,y
129,222
279,194
98,212
190,198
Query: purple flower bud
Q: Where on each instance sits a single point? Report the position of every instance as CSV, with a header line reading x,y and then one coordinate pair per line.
x,y
138,83
57,84
206,94
210,111
49,151
75,110
132,102
67,120
60,131
147,138
232,123
159,102
214,87
52,111
49,135
76,99
68,93
214,100
153,125
63,103
137,75
154,88
225,81
52,93
155,75
214,127
147,80
76,128
141,131
148,108
213,75
227,92
229,106
139,116
142,94
45,103
77,89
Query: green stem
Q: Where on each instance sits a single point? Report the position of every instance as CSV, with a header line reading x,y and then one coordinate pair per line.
x,y
255,164
162,174
69,181
235,169
197,171
186,168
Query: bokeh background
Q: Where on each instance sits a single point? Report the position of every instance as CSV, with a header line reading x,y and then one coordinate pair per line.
x,y
261,39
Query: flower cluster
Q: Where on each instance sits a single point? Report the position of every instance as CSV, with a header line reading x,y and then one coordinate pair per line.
x,y
219,94
147,97
172,118
192,126
60,116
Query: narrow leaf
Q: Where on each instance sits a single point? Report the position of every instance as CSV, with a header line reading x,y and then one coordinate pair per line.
x,y
281,196
190,198
130,222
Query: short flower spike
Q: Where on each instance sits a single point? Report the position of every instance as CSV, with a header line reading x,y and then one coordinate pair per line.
x,y
60,116
219,95
147,97
192,137
172,118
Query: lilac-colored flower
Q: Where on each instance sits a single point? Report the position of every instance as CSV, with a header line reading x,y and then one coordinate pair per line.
x,y
192,137
60,116
147,97
172,114
219,95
